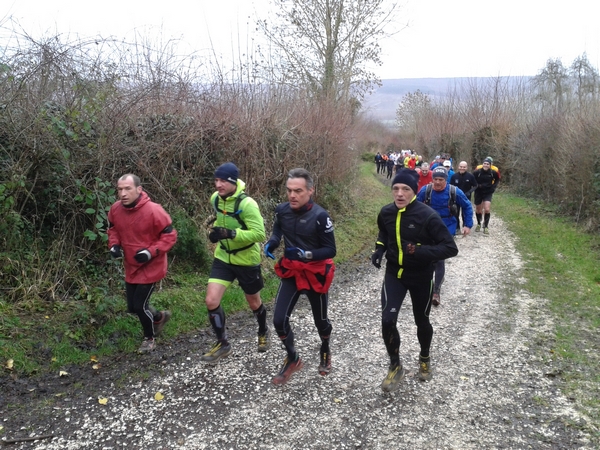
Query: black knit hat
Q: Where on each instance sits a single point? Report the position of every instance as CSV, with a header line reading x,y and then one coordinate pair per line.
x,y
409,177
228,172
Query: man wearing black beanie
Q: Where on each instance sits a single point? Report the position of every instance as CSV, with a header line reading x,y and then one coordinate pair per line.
x,y
239,227
412,236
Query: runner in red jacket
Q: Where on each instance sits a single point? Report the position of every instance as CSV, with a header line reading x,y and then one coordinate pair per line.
x,y
141,231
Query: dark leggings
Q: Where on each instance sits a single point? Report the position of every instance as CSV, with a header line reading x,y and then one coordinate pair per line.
x,y
138,302
393,293
287,297
440,272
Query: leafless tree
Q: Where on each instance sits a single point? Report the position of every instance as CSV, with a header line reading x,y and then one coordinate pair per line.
x,y
329,46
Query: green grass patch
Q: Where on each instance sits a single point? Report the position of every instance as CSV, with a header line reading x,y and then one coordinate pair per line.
x,y
562,265
356,228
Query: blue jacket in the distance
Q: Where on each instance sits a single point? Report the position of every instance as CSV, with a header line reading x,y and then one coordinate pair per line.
x,y
439,202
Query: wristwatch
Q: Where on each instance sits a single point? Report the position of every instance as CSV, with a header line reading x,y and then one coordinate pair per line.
x,y
308,255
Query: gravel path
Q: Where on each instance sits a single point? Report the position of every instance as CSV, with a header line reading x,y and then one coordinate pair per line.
x,y
493,386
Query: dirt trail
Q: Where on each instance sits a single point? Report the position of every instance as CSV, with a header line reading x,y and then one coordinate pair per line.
x,y
491,386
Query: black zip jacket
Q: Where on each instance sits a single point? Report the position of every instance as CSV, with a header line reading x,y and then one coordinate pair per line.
x,y
309,228
487,180
465,182
418,224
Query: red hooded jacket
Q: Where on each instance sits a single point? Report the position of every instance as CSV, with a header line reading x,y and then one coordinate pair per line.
x,y
146,225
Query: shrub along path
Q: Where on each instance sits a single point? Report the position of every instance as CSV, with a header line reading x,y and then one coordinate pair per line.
x,y
493,385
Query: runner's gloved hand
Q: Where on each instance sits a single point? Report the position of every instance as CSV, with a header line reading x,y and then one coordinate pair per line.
x,y
219,233
377,256
143,256
410,248
116,251
270,246
295,253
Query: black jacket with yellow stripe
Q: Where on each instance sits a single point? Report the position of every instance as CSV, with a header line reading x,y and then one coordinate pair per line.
x,y
418,224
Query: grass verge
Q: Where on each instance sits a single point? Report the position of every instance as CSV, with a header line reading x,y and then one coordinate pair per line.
x,y
50,337
562,265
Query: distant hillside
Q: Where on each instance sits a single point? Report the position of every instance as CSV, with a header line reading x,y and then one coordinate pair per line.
x,y
382,104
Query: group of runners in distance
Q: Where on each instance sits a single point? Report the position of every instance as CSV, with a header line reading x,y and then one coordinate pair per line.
x,y
416,235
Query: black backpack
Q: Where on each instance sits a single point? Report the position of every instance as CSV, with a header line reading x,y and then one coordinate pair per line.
x,y
236,215
236,209
452,205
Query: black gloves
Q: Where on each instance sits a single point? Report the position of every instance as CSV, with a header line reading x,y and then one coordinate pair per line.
x,y
116,251
219,233
295,253
143,256
377,256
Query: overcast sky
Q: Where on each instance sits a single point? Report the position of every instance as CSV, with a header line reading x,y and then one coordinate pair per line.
x,y
444,38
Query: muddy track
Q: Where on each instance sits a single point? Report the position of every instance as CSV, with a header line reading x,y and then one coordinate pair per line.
x,y
492,385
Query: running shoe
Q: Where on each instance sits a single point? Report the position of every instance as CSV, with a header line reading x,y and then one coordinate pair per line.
x,y
324,363
147,346
288,368
159,325
393,378
425,368
218,351
486,231
263,341
478,227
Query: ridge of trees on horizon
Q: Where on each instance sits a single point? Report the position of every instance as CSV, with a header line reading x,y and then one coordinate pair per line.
x,y
542,132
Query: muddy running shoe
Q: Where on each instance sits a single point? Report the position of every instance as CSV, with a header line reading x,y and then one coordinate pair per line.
x,y
486,231
288,368
324,363
478,227
147,346
425,368
393,379
164,318
263,341
435,300
218,351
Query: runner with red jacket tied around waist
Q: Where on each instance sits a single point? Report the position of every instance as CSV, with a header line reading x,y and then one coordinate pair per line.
x,y
306,268
412,236
141,231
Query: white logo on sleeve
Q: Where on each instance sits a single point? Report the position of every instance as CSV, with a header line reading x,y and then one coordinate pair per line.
x,y
329,226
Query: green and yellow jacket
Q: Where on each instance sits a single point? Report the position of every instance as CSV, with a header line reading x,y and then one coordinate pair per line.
x,y
244,248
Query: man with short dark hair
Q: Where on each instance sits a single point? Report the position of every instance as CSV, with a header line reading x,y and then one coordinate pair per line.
x,y
238,229
306,268
141,232
412,236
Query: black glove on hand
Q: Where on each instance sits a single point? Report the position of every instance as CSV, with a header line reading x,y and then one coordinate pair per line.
x,y
219,233
295,253
377,256
143,256
116,251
